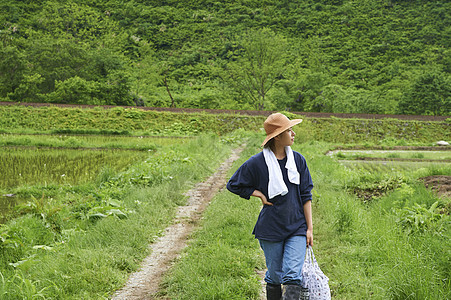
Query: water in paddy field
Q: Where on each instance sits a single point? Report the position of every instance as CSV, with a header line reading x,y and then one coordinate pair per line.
x,y
24,167
7,204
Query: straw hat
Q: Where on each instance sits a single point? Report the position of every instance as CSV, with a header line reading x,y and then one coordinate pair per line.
x,y
277,123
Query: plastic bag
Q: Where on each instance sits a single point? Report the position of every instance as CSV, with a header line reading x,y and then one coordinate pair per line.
x,y
314,279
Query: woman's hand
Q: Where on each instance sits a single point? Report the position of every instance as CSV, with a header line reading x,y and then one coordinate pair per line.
x,y
308,219
309,237
262,197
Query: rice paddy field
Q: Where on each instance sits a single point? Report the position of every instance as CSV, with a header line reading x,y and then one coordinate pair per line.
x,y
24,166
437,155
392,160
48,160
387,166
89,141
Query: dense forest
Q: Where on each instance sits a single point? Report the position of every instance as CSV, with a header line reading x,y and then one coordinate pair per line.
x,y
365,56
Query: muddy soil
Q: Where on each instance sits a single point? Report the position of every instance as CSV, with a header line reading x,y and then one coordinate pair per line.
x,y
439,183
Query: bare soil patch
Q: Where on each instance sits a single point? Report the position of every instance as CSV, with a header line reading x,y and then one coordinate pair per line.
x,y
376,191
439,183
144,284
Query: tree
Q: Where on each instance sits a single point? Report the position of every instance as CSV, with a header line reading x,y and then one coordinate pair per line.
x,y
55,59
13,66
260,63
429,94
28,89
75,90
144,72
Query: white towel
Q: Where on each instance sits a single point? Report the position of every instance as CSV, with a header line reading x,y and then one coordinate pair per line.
x,y
276,185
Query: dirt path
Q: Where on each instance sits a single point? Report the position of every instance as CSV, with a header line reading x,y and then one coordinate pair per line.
x,y
144,283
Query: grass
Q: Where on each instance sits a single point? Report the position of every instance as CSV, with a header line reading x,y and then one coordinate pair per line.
x,y
128,121
142,143
91,264
362,247
412,154
78,246
84,241
387,166
222,260
120,120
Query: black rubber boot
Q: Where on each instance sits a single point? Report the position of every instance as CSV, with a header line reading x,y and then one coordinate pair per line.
x,y
292,292
305,294
273,291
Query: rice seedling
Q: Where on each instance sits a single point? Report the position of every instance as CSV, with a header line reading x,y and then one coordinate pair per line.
x,y
89,141
49,166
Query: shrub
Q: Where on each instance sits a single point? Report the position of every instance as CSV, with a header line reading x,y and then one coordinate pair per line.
x,y
420,219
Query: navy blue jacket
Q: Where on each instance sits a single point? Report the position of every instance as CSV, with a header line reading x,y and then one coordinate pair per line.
x,y
286,217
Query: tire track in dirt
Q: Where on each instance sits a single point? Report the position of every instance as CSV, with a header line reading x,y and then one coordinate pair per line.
x,y
144,284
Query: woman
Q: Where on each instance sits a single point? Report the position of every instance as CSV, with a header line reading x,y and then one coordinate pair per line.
x,y
280,178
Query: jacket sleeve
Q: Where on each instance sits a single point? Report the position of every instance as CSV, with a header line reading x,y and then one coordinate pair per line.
x,y
306,184
242,183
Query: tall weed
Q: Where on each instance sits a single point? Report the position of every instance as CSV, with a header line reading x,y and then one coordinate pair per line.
x,y
87,257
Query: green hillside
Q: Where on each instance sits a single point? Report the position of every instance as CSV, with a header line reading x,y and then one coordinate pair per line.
x,y
379,56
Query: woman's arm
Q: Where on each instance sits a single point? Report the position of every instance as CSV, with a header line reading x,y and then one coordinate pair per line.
x,y
242,182
262,197
309,220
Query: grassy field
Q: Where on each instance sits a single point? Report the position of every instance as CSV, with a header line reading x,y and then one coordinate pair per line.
x,y
222,260
377,249
81,240
369,250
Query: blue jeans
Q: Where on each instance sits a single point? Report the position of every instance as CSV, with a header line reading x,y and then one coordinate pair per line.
x,y
284,260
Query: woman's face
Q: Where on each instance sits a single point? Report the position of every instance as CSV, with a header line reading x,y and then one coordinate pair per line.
x,y
286,138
